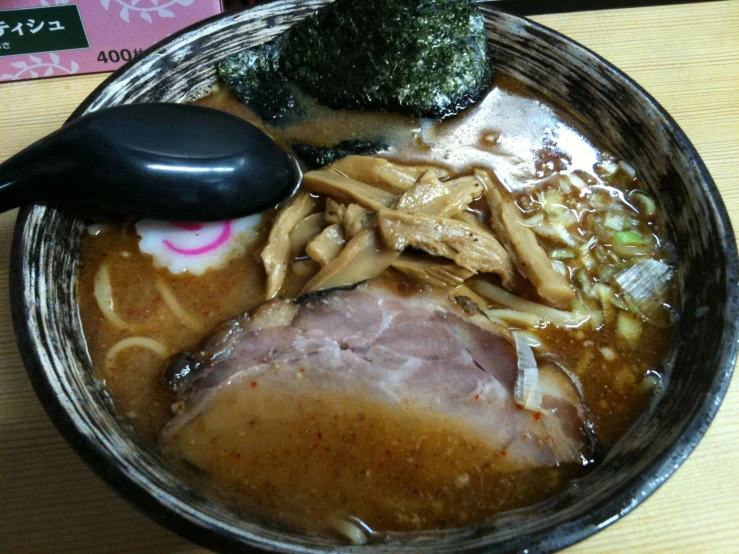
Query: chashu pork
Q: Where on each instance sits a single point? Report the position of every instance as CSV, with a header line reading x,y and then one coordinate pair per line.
x,y
411,348
383,403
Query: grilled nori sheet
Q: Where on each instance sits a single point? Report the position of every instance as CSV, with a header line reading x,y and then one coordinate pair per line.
x,y
425,58
315,157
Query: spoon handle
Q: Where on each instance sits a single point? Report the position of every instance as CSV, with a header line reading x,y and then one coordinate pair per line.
x,y
37,173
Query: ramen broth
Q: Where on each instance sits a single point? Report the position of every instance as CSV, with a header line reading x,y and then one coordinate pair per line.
x,y
317,459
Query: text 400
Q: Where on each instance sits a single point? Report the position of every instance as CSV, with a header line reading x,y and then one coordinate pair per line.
x,y
115,56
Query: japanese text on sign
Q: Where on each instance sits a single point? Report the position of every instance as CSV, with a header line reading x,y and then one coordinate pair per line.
x,y
34,30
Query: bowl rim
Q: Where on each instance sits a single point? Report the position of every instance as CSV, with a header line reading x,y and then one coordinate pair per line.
x,y
616,506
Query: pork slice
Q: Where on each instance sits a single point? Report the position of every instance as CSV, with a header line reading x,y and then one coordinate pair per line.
x,y
412,348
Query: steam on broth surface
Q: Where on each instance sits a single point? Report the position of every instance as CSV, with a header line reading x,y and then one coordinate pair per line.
x,y
319,456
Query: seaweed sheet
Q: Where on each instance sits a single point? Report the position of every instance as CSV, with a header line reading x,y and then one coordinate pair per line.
x,y
425,58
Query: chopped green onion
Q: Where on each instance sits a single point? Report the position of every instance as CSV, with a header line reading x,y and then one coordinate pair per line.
x,y
553,198
600,201
605,272
564,184
605,294
588,262
644,204
527,389
619,303
600,253
566,217
534,220
628,328
596,319
644,285
563,234
555,231
582,280
628,244
353,533
630,171
614,221
583,306
650,381
553,203
561,254
576,181
588,245
606,168
629,238
560,267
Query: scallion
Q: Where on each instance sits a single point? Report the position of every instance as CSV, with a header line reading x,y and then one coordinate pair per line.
x,y
644,204
629,238
628,328
561,254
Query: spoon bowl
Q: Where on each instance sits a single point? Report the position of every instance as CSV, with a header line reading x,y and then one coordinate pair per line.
x,y
163,161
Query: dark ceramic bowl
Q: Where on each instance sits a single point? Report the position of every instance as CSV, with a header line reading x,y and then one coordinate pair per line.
x,y
611,107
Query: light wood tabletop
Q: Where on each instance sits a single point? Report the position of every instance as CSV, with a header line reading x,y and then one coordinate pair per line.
x,y
686,56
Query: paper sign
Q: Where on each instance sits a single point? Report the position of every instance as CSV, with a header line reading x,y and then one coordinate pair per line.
x,y
48,38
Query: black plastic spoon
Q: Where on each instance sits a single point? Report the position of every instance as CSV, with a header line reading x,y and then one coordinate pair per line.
x,y
165,161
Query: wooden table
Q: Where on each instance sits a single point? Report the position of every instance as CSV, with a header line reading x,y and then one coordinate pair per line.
x,y
687,56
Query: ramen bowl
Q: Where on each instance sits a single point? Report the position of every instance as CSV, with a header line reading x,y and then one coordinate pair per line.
x,y
616,111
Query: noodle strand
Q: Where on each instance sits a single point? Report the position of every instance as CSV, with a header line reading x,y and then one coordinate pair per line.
x,y
130,342
104,297
171,301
